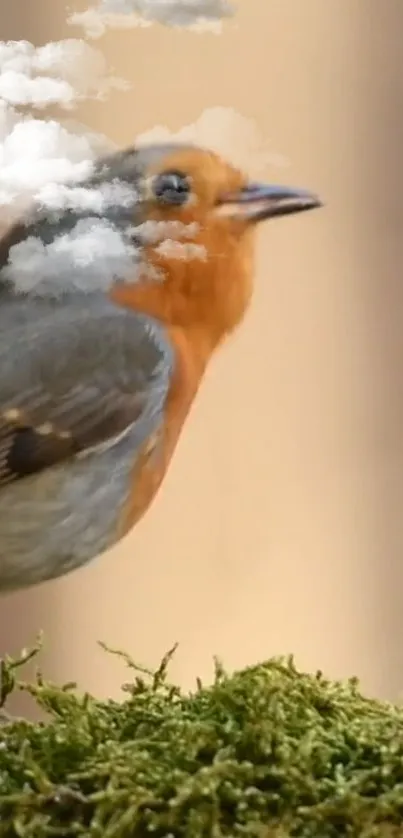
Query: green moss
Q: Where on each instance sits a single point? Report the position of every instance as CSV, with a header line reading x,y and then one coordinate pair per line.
x,y
268,751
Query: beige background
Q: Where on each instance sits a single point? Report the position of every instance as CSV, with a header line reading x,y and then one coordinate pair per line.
x,y
280,525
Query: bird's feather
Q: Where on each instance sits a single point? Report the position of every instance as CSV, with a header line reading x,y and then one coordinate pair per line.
x,y
74,376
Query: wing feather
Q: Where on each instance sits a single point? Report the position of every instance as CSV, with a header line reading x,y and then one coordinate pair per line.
x,y
75,375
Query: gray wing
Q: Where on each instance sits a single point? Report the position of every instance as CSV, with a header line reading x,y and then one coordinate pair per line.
x,y
74,376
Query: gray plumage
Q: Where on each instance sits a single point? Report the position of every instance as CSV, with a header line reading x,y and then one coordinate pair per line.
x,y
101,374
86,383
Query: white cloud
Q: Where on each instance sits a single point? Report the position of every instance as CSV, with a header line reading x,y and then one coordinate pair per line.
x,y
60,72
196,15
58,197
173,249
154,232
85,259
18,89
35,153
227,132
94,254
43,161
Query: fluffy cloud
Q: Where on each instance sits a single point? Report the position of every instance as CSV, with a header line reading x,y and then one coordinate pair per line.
x,y
197,15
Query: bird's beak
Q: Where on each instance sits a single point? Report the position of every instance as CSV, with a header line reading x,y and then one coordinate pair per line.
x,y
258,201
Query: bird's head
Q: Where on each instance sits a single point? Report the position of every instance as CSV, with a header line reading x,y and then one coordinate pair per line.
x,y
206,268
197,265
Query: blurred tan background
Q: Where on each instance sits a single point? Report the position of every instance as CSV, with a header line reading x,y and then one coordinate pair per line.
x,y
280,525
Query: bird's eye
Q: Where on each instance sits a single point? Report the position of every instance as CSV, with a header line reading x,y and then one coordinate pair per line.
x,y
172,188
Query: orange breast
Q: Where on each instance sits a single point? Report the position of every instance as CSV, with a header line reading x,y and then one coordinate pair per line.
x,y
152,464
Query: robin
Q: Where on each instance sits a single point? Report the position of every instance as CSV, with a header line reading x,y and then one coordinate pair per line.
x,y
95,384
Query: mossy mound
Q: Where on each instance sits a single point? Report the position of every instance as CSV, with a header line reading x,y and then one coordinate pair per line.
x,y
268,751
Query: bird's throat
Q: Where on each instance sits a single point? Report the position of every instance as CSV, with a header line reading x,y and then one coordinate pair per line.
x,y
207,299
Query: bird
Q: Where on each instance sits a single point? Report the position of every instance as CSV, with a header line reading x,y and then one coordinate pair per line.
x,y
96,384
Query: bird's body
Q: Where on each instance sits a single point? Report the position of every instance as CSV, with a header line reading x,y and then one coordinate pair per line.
x,y
94,386
101,373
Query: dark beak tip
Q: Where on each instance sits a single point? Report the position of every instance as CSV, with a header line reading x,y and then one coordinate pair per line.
x,y
314,202
288,201
300,199
318,199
